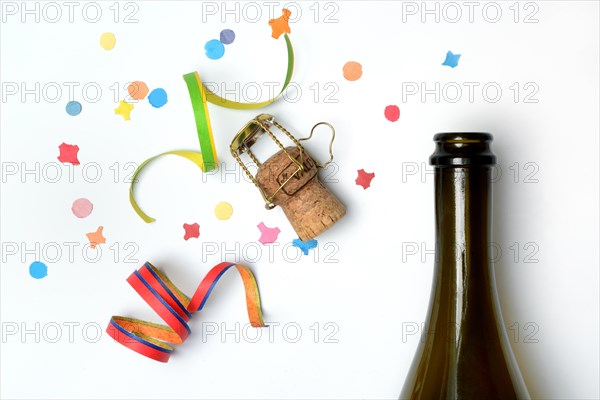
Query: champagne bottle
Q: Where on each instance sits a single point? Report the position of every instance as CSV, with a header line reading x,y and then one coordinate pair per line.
x,y
464,352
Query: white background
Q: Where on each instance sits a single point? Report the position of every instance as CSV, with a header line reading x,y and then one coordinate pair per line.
x,y
365,279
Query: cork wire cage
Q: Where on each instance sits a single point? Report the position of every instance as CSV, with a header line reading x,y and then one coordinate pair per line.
x,y
257,127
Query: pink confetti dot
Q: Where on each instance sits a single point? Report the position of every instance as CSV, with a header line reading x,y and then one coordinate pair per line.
x,y
392,113
82,208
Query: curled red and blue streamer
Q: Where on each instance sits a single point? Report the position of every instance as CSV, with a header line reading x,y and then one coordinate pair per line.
x,y
175,308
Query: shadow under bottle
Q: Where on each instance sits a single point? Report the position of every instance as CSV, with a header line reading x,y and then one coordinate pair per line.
x,y
464,351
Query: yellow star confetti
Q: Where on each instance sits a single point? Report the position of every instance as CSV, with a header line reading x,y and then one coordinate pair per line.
x,y
124,110
96,238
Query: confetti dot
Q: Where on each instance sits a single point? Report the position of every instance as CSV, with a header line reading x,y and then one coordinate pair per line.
x,y
158,98
138,90
73,108
223,211
214,49
38,270
82,208
352,70
392,113
227,36
108,40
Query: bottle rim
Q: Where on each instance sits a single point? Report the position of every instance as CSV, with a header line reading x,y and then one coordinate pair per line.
x,y
459,137
458,149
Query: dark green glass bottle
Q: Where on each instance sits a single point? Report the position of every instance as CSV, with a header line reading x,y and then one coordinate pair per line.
x,y
464,352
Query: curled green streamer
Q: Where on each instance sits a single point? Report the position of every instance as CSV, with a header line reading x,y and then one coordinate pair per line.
x,y
206,158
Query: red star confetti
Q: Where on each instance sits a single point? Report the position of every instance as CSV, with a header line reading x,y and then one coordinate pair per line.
x,y
267,235
96,238
191,231
281,25
68,153
364,178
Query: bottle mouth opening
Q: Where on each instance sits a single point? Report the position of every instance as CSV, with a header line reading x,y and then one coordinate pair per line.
x,y
457,149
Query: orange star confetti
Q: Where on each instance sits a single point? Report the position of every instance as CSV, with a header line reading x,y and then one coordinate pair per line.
x,y
281,25
96,238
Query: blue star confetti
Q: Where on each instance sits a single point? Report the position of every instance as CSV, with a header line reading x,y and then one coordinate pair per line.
x,y
305,246
451,59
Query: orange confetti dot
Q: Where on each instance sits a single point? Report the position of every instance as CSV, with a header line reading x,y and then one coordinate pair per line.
x,y
138,90
352,70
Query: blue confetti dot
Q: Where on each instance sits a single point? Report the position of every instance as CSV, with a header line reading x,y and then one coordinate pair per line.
x,y
73,108
158,97
227,36
214,49
38,270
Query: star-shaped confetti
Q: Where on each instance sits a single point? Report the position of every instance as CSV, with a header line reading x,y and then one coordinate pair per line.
x,y
124,110
305,246
364,178
267,235
191,231
451,59
96,238
68,153
281,25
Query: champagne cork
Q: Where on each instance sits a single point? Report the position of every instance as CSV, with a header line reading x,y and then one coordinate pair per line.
x,y
309,206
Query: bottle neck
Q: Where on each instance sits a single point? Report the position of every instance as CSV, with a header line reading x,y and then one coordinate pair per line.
x,y
463,219
464,281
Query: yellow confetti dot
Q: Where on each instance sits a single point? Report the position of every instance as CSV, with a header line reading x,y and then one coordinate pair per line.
x,y
108,40
223,211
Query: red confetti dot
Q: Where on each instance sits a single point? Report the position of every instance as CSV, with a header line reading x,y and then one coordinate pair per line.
x,y
392,113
